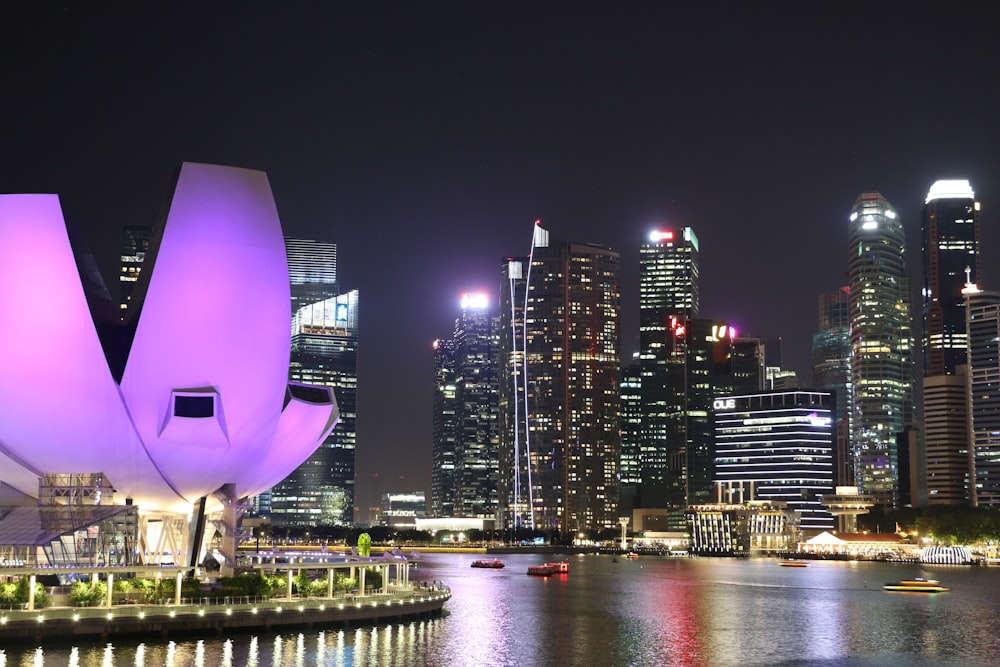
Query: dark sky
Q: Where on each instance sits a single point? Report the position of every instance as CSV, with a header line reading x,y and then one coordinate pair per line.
x,y
425,142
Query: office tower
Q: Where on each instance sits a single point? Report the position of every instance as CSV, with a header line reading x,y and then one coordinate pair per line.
x,y
950,236
983,329
631,473
324,352
445,424
777,446
881,344
135,245
466,419
950,233
312,270
668,297
747,365
831,370
560,360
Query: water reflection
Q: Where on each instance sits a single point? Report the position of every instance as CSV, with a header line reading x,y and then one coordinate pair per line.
x,y
645,612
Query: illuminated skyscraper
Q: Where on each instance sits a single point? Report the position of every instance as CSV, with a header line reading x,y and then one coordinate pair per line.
x,y
831,370
777,446
324,352
983,311
950,232
560,361
312,270
466,417
668,299
950,235
881,344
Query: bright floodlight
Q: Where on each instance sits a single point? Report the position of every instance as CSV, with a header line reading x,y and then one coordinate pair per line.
x,y
475,300
957,189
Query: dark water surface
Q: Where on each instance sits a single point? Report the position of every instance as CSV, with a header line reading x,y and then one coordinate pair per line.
x,y
650,611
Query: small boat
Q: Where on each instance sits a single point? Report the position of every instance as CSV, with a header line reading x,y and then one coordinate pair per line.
x,y
562,567
541,570
792,562
491,563
631,555
916,585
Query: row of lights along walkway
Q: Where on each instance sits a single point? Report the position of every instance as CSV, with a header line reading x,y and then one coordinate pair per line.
x,y
394,601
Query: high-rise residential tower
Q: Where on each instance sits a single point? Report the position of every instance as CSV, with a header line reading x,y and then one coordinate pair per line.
x,y
560,400
466,419
950,233
881,344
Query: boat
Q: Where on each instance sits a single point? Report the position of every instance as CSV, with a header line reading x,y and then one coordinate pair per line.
x,y
916,585
631,555
491,563
792,562
548,569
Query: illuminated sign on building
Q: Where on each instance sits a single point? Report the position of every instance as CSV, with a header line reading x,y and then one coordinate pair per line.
x,y
341,312
724,404
476,300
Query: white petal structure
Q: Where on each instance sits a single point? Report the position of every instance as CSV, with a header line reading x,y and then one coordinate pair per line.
x,y
204,398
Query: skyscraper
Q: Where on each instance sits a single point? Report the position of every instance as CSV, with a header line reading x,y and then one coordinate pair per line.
x,y
777,446
950,233
466,420
312,270
831,370
950,238
983,312
324,352
444,447
669,298
881,344
560,363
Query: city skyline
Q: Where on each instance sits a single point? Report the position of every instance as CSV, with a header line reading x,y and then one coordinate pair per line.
x,y
426,142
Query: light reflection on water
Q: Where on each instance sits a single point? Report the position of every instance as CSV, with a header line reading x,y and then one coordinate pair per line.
x,y
651,611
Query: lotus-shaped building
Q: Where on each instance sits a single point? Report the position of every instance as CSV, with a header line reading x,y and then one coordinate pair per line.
x,y
190,394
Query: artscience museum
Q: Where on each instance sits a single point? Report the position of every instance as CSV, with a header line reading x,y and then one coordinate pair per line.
x,y
173,414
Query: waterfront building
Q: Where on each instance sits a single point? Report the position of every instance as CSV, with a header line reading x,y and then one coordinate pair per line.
x,y
324,353
741,529
135,245
777,446
831,371
983,312
881,344
560,357
185,409
401,509
466,415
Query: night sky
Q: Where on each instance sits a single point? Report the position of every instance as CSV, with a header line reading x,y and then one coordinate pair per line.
x,y
426,142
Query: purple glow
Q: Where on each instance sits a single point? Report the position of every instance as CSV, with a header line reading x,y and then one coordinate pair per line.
x,y
214,323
